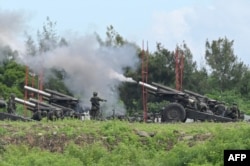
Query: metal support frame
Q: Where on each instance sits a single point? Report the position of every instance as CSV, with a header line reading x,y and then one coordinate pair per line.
x,y
144,72
179,67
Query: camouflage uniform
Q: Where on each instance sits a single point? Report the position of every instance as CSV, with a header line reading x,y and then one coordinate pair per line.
x,y
11,105
234,111
95,106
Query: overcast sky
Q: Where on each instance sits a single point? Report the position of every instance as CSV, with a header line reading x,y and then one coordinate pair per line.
x,y
166,21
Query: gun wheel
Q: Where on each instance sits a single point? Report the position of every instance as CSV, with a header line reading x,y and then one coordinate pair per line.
x,y
174,112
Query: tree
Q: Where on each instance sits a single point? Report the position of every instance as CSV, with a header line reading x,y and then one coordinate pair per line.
x,y
161,66
225,68
30,46
190,71
12,78
164,67
113,38
245,84
48,39
6,53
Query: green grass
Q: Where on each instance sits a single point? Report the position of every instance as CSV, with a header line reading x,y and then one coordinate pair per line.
x,y
118,143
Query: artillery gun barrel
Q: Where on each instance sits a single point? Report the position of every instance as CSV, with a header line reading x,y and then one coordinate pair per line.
x,y
193,93
159,89
46,98
32,109
152,92
30,106
21,101
166,88
62,107
37,91
37,102
148,86
60,94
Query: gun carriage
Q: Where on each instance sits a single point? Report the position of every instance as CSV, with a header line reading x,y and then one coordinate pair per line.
x,y
54,105
186,104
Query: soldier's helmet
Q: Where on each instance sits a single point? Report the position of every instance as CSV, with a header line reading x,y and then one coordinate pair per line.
x,y
95,93
12,95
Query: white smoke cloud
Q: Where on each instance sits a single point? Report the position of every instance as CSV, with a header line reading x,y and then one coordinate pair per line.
x,y
89,67
12,25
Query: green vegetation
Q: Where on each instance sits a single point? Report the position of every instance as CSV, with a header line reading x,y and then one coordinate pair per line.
x,y
74,142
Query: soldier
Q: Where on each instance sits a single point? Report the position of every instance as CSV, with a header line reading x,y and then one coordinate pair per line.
x,y
11,105
235,111
95,105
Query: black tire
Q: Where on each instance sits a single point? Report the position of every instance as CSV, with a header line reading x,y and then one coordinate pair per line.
x,y
174,112
220,109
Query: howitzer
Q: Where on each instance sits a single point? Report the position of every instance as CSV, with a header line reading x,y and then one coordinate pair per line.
x,y
30,106
41,109
42,104
182,105
34,105
14,117
217,107
52,112
21,101
160,86
55,93
68,112
160,90
50,93
207,103
165,92
194,94
40,92
202,98
54,97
